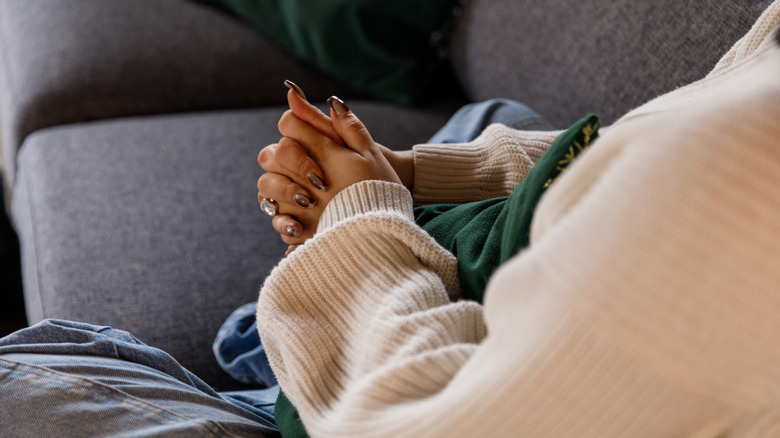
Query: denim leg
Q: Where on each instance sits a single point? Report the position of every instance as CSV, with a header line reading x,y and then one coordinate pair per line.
x,y
469,121
239,351
61,378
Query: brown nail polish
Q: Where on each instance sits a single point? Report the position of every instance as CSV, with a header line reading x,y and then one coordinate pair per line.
x,y
292,231
338,105
293,86
316,181
304,201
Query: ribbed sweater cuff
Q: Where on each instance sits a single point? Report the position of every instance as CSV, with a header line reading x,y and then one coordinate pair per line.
x,y
365,197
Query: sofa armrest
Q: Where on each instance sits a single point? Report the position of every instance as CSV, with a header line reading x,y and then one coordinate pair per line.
x,y
66,61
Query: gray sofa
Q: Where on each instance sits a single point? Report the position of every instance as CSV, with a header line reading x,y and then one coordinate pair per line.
x,y
131,129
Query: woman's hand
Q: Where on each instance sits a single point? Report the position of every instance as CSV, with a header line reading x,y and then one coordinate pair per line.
x,y
294,181
402,161
359,158
339,146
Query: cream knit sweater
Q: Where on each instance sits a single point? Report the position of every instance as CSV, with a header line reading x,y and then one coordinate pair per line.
x,y
648,302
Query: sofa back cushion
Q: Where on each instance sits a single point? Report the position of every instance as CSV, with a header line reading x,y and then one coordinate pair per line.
x,y
567,58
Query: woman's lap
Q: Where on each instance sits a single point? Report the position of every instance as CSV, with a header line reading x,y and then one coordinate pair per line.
x,y
61,378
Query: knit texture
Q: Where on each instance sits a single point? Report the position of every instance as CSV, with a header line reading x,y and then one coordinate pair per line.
x,y
754,41
490,166
645,305
365,197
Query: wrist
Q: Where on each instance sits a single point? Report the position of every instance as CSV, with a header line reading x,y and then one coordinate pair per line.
x,y
403,164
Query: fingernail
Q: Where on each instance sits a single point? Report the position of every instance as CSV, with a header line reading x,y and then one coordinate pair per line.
x,y
316,181
292,231
293,86
304,201
338,105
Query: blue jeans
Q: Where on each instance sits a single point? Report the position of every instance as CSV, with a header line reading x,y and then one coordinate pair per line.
x,y
61,378
466,124
238,348
239,351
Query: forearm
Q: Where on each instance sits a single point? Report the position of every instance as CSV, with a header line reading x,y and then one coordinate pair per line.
x,y
349,345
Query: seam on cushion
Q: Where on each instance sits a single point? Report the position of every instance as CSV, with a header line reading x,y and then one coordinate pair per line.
x,y
34,234
6,67
13,98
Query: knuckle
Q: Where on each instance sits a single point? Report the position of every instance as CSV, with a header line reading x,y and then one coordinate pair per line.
x,y
303,166
294,157
263,182
285,148
353,124
285,120
291,189
265,157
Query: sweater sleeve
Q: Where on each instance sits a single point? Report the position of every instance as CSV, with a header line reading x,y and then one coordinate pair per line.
x,y
645,305
370,277
490,166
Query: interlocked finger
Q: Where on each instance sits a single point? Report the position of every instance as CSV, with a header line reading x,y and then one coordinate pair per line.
x,y
289,197
289,158
299,165
314,142
291,231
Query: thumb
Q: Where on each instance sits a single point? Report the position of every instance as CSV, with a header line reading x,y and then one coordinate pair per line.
x,y
348,126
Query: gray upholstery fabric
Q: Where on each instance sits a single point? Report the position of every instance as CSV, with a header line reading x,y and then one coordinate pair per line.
x,y
66,61
152,225
571,57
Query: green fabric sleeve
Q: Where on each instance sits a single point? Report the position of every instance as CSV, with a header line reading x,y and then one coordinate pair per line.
x,y
287,419
482,235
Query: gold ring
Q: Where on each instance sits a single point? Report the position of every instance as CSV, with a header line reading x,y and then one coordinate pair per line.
x,y
270,207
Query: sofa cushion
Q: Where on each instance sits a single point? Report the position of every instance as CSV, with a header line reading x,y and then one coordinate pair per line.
x,y
574,57
67,61
151,224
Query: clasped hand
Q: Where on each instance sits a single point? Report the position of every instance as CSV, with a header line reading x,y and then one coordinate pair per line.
x,y
316,158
